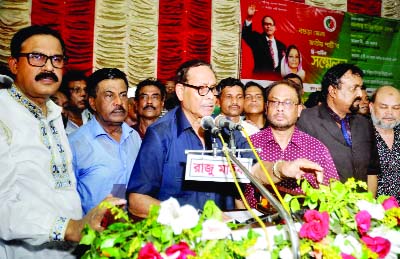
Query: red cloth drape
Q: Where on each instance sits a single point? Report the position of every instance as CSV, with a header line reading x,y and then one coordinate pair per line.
x,y
184,33
74,19
368,7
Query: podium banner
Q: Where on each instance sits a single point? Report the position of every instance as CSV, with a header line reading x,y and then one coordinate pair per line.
x,y
214,169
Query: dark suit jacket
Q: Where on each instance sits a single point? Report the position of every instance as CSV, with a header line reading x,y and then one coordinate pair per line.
x,y
258,43
357,161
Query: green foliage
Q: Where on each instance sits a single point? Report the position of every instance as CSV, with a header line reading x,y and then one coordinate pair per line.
x,y
124,239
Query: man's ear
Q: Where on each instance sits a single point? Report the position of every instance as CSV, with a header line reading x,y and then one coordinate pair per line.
x,y
13,65
299,109
332,91
92,103
371,107
179,89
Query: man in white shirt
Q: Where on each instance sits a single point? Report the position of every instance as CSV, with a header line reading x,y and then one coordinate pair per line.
x,y
40,209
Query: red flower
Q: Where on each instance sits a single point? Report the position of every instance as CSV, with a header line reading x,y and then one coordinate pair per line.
x,y
379,245
347,256
182,248
316,225
363,219
149,252
389,203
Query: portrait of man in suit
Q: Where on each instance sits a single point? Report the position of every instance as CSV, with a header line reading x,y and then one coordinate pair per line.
x,y
267,50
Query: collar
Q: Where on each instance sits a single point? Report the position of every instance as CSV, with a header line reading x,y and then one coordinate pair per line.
x,y
97,130
53,110
181,121
336,117
295,139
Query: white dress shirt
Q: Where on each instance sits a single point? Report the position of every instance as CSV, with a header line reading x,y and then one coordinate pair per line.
x,y
37,185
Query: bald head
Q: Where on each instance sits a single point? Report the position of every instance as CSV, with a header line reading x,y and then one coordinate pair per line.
x,y
385,107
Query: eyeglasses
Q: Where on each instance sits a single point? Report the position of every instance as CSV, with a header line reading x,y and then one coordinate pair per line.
x,y
78,90
286,104
39,59
153,97
203,90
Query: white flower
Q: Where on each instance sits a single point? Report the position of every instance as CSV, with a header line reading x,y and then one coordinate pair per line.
x,y
214,229
375,210
286,253
257,254
348,244
177,217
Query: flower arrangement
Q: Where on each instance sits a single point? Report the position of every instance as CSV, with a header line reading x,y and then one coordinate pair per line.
x,y
337,221
169,232
342,222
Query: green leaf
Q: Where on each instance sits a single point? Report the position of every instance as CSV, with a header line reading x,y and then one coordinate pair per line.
x,y
294,205
211,211
108,242
88,237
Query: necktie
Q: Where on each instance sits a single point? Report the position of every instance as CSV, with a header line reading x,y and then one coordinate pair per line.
x,y
345,132
344,125
271,50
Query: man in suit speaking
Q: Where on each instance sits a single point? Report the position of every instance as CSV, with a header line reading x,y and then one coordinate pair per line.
x,y
267,51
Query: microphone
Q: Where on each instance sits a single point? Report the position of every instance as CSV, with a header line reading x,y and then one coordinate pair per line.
x,y
223,122
207,123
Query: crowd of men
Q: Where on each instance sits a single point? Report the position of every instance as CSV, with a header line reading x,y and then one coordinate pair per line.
x,y
60,161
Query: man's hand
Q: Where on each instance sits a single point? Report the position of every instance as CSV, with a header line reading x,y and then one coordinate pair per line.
x,y
251,10
93,219
297,168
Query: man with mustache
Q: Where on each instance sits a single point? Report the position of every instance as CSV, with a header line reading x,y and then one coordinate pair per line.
x,y
231,101
104,149
149,99
385,115
40,209
159,170
74,87
282,140
348,135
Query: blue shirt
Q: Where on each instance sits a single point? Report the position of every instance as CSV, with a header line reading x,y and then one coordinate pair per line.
x,y
159,169
100,162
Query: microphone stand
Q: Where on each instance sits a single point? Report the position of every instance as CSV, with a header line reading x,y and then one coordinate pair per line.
x,y
294,238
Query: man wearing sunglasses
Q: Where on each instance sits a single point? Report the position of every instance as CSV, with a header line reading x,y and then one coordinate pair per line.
x,y
40,207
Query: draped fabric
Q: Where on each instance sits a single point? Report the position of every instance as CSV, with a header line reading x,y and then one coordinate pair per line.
x,y
225,38
74,19
184,32
151,38
14,15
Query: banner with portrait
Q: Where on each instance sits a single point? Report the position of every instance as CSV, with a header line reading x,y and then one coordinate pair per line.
x,y
316,39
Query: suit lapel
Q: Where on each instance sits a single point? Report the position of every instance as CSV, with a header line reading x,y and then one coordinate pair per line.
x,y
330,125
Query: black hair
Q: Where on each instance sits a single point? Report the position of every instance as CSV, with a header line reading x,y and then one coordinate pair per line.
x,y
293,75
181,73
265,16
22,35
333,75
151,81
229,81
252,83
284,82
103,74
71,76
313,99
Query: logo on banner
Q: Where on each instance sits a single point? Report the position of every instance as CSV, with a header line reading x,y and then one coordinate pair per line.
x,y
330,23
